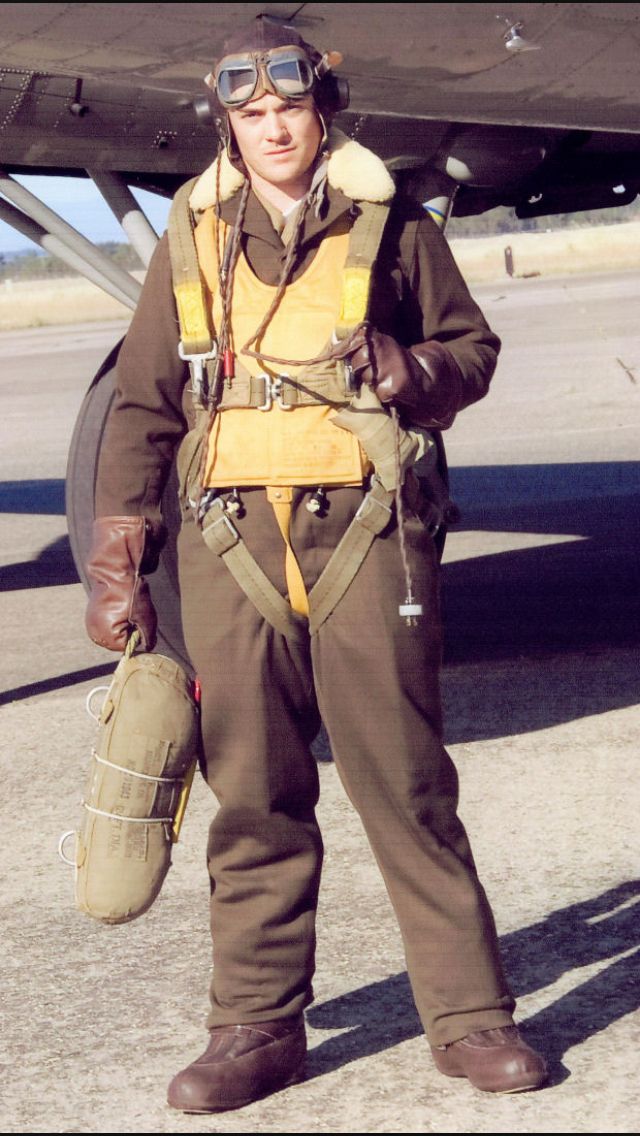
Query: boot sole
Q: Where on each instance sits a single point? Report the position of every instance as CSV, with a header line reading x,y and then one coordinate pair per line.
x,y
294,1078
528,1088
536,1083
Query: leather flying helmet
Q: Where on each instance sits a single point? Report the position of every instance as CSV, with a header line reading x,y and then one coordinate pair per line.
x,y
273,57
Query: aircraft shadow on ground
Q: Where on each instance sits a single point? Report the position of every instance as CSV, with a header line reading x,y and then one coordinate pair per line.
x,y
605,929
51,568
563,596
576,596
54,564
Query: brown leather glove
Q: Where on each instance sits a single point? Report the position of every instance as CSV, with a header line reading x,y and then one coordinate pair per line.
x,y
425,381
122,549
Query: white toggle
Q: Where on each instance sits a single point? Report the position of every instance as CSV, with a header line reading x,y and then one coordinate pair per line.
x,y
410,609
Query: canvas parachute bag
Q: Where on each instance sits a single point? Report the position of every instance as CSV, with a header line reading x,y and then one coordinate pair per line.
x,y
141,770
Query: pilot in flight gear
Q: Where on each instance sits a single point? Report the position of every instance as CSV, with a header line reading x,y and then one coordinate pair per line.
x,y
302,372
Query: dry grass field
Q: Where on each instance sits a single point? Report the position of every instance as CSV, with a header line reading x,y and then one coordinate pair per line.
x,y
37,303
71,299
607,248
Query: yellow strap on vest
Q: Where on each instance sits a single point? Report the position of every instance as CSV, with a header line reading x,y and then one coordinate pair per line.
x,y
280,498
364,243
189,288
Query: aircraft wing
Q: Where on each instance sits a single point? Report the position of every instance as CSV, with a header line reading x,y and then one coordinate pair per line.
x,y
535,106
531,105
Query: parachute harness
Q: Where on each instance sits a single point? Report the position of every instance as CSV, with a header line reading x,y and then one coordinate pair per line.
x,y
357,278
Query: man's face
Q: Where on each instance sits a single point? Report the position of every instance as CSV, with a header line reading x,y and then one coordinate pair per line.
x,y
278,140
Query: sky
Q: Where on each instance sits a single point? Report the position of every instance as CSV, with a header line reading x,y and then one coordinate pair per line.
x,y
80,203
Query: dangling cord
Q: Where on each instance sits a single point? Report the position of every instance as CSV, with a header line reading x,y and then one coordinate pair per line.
x,y
410,610
226,271
226,278
338,350
217,239
287,268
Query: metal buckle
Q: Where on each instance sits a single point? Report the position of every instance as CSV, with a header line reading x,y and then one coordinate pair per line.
x,y
207,501
352,386
273,389
364,506
223,519
197,366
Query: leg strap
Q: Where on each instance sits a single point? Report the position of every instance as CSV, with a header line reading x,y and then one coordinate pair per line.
x,y
372,518
222,537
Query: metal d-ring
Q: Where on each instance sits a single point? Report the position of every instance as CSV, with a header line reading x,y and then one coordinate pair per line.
x,y
61,843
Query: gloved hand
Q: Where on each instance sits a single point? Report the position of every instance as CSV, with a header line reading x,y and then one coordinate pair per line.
x,y
122,549
425,380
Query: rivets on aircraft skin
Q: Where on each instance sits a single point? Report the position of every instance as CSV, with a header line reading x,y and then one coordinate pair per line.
x,y
20,96
163,139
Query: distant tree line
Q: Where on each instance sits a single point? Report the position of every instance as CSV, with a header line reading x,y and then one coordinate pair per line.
x,y
38,265
504,220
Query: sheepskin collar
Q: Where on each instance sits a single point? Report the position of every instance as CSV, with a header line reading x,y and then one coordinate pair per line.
x,y
359,173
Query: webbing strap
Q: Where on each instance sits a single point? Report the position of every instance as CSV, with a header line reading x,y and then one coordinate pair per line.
x,y
280,499
364,243
259,391
372,517
222,537
188,285
189,288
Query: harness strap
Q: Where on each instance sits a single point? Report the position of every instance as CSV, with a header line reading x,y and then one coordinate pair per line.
x,y
192,302
198,340
372,518
364,243
188,285
260,391
222,537
280,498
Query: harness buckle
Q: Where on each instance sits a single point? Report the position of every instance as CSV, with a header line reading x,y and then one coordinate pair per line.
x,y
365,513
224,540
351,383
206,502
197,364
273,392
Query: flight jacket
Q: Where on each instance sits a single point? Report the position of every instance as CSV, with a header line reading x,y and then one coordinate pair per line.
x,y
418,295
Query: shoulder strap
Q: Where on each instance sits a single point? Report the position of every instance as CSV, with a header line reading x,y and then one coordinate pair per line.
x,y
189,289
364,244
188,285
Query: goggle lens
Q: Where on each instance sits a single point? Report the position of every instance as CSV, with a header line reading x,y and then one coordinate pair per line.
x,y
290,76
236,84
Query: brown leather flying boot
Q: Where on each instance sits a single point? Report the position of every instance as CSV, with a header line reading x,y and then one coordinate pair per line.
x,y
494,1060
241,1064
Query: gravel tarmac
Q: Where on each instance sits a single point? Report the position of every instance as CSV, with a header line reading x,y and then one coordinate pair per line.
x,y
540,685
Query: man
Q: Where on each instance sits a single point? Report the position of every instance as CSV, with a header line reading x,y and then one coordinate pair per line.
x,y
302,440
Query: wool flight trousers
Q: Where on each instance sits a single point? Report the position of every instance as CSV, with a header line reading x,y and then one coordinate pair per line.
x,y
373,682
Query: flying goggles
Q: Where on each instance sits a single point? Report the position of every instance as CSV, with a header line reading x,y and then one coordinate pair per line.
x,y
283,71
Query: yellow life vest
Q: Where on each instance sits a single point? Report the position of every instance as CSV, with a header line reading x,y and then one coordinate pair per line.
x,y
299,446
280,445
